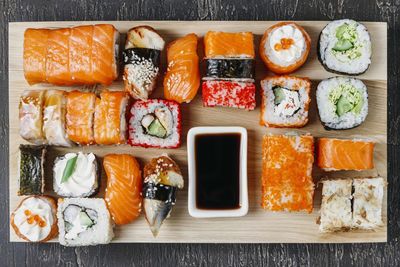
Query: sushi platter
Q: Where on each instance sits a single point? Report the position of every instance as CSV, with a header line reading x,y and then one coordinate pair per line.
x,y
284,142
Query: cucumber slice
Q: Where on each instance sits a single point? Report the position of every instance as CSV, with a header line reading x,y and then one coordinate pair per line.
x,y
358,107
279,95
343,45
85,219
340,30
343,106
156,129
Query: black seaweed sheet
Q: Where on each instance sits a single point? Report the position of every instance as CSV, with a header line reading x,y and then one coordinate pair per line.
x,y
128,55
230,68
31,179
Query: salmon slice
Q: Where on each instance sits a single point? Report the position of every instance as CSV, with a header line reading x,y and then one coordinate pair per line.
x,y
109,119
104,66
79,118
227,44
124,186
35,49
80,54
336,154
287,184
57,58
182,79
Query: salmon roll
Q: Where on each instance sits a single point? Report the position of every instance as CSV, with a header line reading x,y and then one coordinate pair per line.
x,y
285,47
182,79
31,116
141,59
35,51
287,184
109,118
285,101
80,117
339,154
124,187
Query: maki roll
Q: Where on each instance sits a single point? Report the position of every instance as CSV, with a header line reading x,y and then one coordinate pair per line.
x,y
109,118
84,222
80,117
285,47
141,59
31,170
35,220
155,123
162,179
285,101
342,102
76,175
55,108
31,116
344,47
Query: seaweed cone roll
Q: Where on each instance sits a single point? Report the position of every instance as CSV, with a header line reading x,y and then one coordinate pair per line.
x,y
345,47
342,102
162,179
141,59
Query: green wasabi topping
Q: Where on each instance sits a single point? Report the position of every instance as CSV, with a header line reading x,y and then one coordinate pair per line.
x,y
347,44
346,98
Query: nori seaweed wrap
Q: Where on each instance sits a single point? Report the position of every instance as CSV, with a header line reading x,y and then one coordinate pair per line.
x,y
31,170
133,55
230,68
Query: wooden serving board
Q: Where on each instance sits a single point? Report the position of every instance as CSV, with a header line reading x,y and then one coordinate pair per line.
x,y
258,226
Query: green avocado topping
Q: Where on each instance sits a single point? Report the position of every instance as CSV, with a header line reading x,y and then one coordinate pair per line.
x,y
85,219
279,95
157,129
346,98
347,44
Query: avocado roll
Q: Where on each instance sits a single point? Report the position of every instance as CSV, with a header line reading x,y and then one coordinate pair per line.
x,y
31,170
342,102
230,68
344,47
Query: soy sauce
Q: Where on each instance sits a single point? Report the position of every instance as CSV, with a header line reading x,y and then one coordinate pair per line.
x,y
217,171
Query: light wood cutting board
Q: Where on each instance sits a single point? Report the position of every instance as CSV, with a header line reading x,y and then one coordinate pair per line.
x,y
258,226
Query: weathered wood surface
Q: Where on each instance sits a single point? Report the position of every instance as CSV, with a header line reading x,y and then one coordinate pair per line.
x,y
207,254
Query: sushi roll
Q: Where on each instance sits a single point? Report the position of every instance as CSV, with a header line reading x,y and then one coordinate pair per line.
x,y
285,47
285,101
162,179
84,222
141,59
182,80
155,123
124,187
80,117
71,56
340,154
229,80
344,47
31,170
109,118
35,220
76,175
336,206
287,183
342,102
31,116
55,108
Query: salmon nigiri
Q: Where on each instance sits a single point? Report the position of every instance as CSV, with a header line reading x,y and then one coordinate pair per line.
x,y
35,49
124,187
337,154
229,45
182,79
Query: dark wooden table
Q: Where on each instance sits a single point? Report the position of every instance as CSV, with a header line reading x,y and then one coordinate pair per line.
x,y
20,254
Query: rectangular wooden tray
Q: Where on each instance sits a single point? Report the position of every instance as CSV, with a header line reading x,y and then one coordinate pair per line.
x,y
258,226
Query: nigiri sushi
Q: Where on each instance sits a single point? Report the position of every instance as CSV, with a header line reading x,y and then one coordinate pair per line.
x,y
55,106
141,59
71,56
340,154
162,179
182,79
229,44
124,187
80,117
35,220
31,116
285,47
109,118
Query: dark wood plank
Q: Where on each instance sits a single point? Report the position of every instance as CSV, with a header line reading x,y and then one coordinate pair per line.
x,y
20,254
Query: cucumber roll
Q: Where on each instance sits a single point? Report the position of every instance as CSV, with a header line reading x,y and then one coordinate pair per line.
x,y
344,47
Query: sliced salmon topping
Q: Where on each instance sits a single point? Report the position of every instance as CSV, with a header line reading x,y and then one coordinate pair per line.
x,y
35,49
124,187
182,79
226,44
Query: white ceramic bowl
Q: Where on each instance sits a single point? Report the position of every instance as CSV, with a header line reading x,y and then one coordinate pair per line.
x,y
243,196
